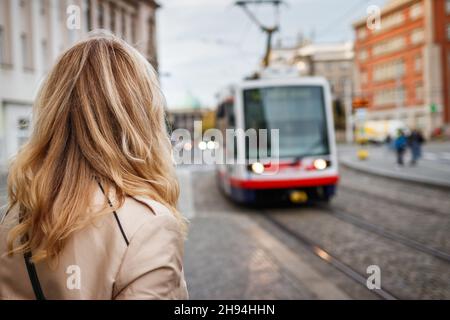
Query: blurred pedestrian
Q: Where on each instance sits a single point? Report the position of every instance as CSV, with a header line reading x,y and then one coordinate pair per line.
x,y
415,141
400,144
389,142
93,194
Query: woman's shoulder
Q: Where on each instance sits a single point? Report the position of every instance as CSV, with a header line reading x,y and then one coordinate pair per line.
x,y
140,211
152,266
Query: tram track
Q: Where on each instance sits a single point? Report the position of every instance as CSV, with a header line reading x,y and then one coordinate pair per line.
x,y
396,202
333,260
327,257
383,232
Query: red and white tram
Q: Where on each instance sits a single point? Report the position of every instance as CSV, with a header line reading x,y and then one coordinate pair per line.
x,y
300,108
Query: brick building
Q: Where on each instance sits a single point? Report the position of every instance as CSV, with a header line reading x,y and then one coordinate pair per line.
x,y
403,68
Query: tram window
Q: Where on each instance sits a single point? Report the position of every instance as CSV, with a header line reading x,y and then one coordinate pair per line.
x,y
225,115
298,112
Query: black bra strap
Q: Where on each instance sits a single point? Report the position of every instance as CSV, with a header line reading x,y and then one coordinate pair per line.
x,y
115,215
31,268
32,273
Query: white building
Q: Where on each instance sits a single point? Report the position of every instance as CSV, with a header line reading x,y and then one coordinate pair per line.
x,y
333,61
34,32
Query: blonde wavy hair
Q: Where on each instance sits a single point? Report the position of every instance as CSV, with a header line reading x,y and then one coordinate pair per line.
x,y
99,116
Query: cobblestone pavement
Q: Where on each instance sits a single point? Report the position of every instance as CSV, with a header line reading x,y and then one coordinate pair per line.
x,y
230,256
219,251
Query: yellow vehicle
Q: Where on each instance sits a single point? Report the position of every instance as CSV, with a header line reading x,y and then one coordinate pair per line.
x,y
377,131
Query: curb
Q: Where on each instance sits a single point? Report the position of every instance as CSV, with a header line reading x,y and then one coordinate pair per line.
x,y
397,176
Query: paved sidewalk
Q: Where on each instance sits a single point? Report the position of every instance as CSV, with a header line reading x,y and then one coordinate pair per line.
x,y
229,255
433,169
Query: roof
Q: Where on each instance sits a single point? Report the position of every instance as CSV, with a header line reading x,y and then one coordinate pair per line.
x,y
389,7
317,51
151,3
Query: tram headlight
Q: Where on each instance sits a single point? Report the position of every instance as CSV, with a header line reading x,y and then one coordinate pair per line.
x,y
202,145
187,146
257,167
211,145
320,164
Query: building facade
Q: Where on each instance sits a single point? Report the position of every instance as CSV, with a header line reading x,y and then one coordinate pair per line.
x,y
333,61
34,32
403,68
190,111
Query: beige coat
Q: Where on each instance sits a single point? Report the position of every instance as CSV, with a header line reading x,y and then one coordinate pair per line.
x,y
97,263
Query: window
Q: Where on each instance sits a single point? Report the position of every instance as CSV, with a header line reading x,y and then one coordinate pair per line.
x,y
389,46
123,23
112,20
100,15
25,50
363,55
2,45
390,96
26,35
87,6
389,71
297,111
151,51
416,11
5,34
134,26
418,63
448,31
45,54
23,124
344,66
43,7
401,95
447,6
419,92
391,21
417,36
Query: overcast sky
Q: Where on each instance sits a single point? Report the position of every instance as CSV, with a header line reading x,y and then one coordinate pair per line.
x,y
205,45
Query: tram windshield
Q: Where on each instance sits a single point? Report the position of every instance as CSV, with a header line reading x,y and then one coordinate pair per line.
x,y
298,112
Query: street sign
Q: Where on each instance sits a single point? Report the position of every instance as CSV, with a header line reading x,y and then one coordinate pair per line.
x,y
433,108
360,103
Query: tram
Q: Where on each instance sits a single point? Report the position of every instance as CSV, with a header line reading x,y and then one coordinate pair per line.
x,y
304,166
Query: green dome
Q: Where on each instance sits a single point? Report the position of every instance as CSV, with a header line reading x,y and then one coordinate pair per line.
x,y
191,102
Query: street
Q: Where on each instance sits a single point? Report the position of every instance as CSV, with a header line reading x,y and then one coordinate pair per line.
x,y
317,251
